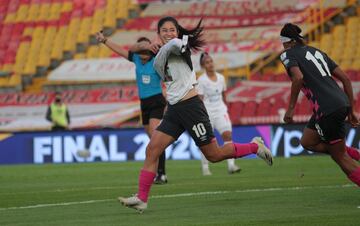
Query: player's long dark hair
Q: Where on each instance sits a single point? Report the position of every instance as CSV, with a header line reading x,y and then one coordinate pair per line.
x,y
143,39
195,41
202,57
292,31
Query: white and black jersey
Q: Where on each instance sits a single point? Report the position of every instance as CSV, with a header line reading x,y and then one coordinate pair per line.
x,y
178,76
319,87
174,66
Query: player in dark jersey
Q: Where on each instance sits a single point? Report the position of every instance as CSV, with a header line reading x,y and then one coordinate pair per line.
x,y
312,72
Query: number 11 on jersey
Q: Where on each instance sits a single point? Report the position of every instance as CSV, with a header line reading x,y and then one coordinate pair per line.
x,y
314,59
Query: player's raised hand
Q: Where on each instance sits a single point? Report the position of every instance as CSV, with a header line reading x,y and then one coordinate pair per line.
x,y
100,37
155,45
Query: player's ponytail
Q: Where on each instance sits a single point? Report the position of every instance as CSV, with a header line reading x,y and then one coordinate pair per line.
x,y
292,32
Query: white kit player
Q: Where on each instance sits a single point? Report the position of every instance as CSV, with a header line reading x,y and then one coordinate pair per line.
x,y
211,89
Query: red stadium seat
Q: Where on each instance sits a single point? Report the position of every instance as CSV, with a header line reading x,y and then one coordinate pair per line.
x,y
9,57
2,56
235,110
249,109
263,108
12,6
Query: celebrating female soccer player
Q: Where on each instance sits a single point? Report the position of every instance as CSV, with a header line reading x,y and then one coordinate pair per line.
x,y
211,88
185,111
152,101
311,71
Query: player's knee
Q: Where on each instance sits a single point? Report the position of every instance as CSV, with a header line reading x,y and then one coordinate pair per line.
x,y
305,144
227,137
148,152
213,158
151,152
338,157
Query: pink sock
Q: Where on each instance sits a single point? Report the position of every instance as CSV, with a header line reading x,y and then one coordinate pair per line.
x,y
241,150
146,179
354,176
353,152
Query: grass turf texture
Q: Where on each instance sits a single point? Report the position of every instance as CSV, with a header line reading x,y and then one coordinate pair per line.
x,y
296,191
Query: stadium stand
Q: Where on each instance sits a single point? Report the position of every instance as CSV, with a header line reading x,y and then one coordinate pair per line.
x,y
37,36
340,42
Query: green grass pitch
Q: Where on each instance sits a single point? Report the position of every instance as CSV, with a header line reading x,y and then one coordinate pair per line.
x,y
295,191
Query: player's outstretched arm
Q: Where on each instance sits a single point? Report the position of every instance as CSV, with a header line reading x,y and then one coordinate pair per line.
x,y
100,37
344,79
296,85
144,46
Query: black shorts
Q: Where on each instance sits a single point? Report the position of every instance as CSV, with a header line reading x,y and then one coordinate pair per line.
x,y
331,128
152,107
189,115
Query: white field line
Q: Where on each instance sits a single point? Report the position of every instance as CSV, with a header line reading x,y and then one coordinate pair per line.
x,y
182,195
56,204
69,190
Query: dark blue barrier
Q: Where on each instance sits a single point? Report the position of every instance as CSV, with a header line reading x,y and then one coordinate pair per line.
x,y
130,144
285,140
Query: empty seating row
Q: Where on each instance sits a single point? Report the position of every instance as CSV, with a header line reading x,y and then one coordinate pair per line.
x,y
35,33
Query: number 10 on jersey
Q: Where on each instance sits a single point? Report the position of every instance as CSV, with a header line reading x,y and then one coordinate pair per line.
x,y
199,129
